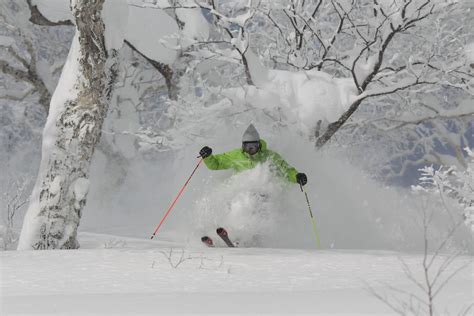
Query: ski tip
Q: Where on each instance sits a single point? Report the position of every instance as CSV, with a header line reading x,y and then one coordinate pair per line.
x,y
208,241
225,236
221,231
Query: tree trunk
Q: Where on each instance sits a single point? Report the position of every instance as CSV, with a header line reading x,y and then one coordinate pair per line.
x,y
78,109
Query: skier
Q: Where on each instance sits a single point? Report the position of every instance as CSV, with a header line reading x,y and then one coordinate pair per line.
x,y
254,151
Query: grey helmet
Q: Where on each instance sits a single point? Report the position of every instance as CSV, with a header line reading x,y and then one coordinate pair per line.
x,y
250,134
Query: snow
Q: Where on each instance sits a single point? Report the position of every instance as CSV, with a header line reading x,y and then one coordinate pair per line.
x,y
136,27
364,67
469,212
162,4
464,108
81,188
241,19
65,90
56,185
43,68
6,41
113,274
469,50
259,73
352,210
55,10
136,277
142,22
196,28
307,96
249,203
115,16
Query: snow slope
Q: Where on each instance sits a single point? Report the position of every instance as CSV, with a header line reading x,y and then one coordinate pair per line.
x,y
125,276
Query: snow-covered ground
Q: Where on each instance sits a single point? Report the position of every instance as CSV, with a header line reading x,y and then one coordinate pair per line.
x,y
126,276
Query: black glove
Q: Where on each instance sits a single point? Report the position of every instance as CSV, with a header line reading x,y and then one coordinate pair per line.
x,y
301,178
205,152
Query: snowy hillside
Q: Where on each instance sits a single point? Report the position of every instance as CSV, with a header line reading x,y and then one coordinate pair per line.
x,y
123,276
333,140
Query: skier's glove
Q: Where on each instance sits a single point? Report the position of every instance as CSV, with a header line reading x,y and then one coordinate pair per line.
x,y
301,178
205,152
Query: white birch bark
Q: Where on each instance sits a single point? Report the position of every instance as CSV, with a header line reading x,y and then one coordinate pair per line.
x,y
73,129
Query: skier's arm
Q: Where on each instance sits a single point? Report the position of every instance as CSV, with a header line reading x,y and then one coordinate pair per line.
x,y
218,162
284,168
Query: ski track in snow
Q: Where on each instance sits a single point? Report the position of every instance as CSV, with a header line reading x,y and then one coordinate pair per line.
x,y
137,278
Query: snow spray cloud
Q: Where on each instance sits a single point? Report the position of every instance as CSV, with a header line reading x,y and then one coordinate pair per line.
x,y
247,204
352,210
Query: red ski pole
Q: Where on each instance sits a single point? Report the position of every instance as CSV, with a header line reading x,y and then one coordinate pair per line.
x,y
175,200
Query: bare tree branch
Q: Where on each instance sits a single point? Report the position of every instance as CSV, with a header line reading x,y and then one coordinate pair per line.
x,y
39,19
163,69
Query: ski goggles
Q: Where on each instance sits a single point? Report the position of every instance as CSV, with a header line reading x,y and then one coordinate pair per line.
x,y
251,148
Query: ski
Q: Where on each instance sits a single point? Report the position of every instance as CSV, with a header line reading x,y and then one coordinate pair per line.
x,y
207,241
225,236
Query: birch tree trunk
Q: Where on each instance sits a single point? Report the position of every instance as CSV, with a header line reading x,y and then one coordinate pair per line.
x,y
73,129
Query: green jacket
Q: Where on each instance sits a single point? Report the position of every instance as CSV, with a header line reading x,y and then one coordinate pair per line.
x,y
239,160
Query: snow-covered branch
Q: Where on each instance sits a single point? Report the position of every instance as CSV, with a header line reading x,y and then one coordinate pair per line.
x,y
234,27
27,70
13,199
441,262
415,73
397,123
39,19
164,69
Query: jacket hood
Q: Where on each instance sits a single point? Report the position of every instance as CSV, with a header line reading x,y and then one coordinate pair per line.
x,y
250,134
